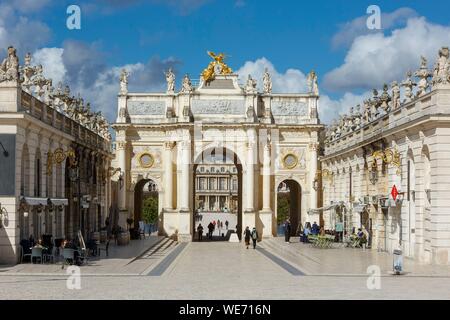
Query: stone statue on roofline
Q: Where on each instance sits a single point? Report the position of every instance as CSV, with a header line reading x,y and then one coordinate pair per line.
x,y
367,111
375,104
9,69
385,99
267,82
357,117
423,74
124,81
441,68
395,95
250,86
409,85
187,84
312,83
170,78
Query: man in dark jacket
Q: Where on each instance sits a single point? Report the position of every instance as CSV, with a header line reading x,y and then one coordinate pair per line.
x,y
287,230
200,232
210,229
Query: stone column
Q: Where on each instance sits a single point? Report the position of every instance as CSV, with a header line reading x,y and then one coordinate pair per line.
x,y
265,214
185,173
249,218
168,174
122,162
312,176
184,226
250,181
266,178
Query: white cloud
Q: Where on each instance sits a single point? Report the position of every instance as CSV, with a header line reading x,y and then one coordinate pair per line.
x,y
292,81
80,66
20,31
376,59
357,27
330,109
28,6
52,62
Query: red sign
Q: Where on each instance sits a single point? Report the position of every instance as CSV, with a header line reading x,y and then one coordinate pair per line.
x,y
394,192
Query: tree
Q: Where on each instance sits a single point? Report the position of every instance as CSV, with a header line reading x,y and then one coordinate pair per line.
x,y
150,210
283,208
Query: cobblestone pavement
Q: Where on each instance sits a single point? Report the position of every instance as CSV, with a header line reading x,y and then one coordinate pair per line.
x,y
221,270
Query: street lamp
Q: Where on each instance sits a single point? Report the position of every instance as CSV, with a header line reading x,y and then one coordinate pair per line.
x,y
121,179
5,153
374,174
74,175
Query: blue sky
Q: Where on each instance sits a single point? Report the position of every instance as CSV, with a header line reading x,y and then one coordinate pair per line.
x,y
148,36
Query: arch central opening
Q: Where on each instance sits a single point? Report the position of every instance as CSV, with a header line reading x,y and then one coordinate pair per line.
x,y
146,207
217,195
289,195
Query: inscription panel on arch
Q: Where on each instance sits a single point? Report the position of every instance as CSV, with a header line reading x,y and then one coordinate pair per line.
x,y
146,107
218,106
289,108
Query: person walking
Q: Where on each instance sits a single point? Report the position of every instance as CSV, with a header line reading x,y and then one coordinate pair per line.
x,y
247,236
200,232
226,224
210,230
287,230
254,237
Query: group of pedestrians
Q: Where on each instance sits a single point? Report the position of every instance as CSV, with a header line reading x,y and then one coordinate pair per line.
x,y
302,231
211,227
253,235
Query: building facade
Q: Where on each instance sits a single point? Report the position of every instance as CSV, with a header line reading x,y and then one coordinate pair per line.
x,y
387,167
54,163
164,137
216,187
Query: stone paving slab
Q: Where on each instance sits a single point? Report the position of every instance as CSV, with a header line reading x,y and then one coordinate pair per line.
x,y
345,261
116,263
229,272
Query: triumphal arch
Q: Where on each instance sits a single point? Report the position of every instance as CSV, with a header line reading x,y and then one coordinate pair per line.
x,y
272,139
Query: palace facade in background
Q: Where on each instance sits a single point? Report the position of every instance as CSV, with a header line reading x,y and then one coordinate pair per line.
x,y
55,158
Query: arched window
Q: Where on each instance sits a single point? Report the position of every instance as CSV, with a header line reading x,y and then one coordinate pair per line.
x,y
426,175
411,177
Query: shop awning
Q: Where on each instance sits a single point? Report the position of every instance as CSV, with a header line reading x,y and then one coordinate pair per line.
x,y
59,202
34,201
318,210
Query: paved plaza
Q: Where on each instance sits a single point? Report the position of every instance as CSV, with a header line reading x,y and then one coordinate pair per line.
x,y
222,270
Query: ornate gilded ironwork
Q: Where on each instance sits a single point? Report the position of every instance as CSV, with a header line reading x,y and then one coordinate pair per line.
x,y
59,156
290,161
49,163
73,163
328,175
218,66
389,156
146,160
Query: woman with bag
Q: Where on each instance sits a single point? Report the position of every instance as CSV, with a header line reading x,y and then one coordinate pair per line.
x,y
254,237
247,235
